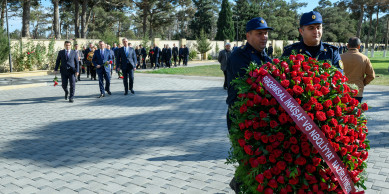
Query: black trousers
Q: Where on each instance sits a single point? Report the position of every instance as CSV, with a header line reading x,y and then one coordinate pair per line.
x,y
68,78
93,72
185,60
225,79
179,60
175,60
168,63
144,62
128,79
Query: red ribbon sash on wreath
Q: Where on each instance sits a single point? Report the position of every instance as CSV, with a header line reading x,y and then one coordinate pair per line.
x,y
309,128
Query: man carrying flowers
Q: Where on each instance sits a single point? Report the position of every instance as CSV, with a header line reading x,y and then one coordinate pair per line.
x,y
254,50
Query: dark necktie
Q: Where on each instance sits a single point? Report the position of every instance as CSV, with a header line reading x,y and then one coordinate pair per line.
x,y
67,55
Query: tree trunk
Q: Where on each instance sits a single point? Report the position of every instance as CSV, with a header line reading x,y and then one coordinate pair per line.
x,y
85,16
375,33
360,20
57,33
368,34
76,18
387,36
119,27
144,24
151,27
2,14
26,18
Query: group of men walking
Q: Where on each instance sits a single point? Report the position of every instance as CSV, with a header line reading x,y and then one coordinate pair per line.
x,y
100,62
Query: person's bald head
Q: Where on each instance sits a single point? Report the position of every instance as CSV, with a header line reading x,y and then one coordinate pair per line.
x,y
354,42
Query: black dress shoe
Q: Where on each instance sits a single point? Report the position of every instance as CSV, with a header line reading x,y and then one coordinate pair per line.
x,y
71,100
132,91
101,96
66,95
125,93
109,93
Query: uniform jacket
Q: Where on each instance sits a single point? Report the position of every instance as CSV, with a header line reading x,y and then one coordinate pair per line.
x,y
222,58
100,60
358,69
67,63
124,61
236,64
327,52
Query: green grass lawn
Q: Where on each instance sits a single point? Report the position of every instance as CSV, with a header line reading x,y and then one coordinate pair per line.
x,y
206,70
380,65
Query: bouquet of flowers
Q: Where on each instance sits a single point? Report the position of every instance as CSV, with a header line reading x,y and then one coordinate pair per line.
x,y
276,155
120,74
107,63
55,80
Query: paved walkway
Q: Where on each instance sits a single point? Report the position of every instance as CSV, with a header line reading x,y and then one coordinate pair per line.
x,y
170,137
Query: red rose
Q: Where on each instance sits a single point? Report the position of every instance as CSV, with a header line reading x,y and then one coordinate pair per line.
x,y
286,144
300,57
264,102
253,162
259,178
318,106
288,157
306,152
330,113
273,124
364,155
324,90
292,57
273,111
281,165
300,161
269,148
294,181
326,65
292,130
248,134
257,136
267,174
336,100
285,83
276,61
364,107
272,183
280,136
249,81
260,188
243,109
264,138
284,191
281,179
325,128
262,159
248,149
241,142
295,149
310,168
276,73
297,90
327,104
257,99
321,116
297,80
293,140
268,191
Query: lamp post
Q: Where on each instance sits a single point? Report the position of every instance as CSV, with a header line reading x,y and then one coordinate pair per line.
x,y
9,41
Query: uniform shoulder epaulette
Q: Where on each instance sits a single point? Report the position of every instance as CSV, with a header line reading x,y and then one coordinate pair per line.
x,y
291,45
330,46
242,47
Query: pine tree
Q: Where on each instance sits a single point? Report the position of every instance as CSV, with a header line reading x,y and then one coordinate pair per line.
x,y
241,17
225,26
203,17
202,44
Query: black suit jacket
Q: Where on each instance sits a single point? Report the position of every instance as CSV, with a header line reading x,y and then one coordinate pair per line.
x,y
126,62
175,51
68,64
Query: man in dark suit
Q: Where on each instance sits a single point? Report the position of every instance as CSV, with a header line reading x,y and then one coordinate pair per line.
x,y
163,56
157,52
175,54
112,53
143,53
80,59
69,69
137,52
127,62
185,52
180,54
101,59
151,56
168,56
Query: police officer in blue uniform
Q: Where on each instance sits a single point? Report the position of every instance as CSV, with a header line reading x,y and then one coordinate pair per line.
x,y
311,30
254,50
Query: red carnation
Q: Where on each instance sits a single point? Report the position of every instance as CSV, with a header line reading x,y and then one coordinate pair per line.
x,y
268,191
276,61
321,116
336,100
326,65
243,109
264,102
55,83
297,90
273,111
327,104
249,149
248,134
241,142
324,90
264,138
300,57
330,113
292,57
257,99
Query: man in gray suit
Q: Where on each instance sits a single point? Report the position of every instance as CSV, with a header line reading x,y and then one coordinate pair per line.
x,y
126,60
223,57
80,59
68,59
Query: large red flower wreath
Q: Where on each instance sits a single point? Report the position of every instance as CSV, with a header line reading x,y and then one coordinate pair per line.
x,y
272,153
